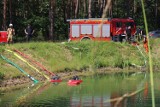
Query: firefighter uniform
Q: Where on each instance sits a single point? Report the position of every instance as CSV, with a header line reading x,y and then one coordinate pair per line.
x,y
10,33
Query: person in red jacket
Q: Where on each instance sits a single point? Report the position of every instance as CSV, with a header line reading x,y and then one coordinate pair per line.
x,y
145,43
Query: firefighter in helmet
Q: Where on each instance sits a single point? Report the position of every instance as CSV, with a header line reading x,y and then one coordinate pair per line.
x,y
10,33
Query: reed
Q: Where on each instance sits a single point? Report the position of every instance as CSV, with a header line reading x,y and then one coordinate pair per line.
x,y
149,55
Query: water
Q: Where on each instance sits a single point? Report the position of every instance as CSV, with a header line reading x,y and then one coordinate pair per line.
x,y
93,92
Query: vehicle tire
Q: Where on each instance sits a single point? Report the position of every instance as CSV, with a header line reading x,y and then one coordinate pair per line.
x,y
85,39
114,38
124,39
118,38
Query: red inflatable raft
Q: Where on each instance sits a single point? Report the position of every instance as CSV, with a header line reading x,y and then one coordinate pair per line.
x,y
55,80
74,82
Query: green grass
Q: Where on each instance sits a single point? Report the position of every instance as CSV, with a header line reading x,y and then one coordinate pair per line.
x,y
58,57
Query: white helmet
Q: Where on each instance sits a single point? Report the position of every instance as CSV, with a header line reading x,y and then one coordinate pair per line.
x,y
10,24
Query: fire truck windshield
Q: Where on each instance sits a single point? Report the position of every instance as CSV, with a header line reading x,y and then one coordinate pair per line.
x,y
130,24
118,24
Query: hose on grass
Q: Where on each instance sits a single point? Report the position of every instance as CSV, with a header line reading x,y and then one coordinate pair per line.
x,y
19,68
27,63
33,61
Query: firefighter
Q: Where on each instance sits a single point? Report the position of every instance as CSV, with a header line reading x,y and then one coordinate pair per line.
x,y
145,43
139,34
55,77
75,77
10,33
29,32
128,34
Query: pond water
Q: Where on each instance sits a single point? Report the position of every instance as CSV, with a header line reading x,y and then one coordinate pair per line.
x,y
94,91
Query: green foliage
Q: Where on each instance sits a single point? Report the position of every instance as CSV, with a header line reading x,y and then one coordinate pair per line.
x,y
36,12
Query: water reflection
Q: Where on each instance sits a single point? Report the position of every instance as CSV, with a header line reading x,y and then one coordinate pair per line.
x,y
115,98
89,101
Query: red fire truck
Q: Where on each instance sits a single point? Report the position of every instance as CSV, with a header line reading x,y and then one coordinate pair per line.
x,y
3,36
98,29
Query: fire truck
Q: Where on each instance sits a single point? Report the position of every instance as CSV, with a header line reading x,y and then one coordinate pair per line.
x,y
98,29
3,36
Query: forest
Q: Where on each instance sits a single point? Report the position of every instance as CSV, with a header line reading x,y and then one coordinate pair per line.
x,y
49,17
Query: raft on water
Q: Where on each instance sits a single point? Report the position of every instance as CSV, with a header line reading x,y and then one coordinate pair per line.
x,y
74,82
55,80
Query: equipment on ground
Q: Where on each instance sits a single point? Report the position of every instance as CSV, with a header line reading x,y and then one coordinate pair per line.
x,y
35,62
20,69
27,63
55,78
3,36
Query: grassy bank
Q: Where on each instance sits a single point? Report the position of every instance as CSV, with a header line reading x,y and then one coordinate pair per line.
x,y
74,56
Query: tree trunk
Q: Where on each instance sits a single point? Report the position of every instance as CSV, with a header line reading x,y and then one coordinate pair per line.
x,y
10,10
135,7
89,8
110,9
64,11
116,8
84,6
156,12
77,7
4,27
68,9
128,8
101,8
51,18
73,7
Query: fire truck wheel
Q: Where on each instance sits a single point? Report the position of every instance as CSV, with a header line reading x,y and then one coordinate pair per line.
x,y
115,38
85,39
123,40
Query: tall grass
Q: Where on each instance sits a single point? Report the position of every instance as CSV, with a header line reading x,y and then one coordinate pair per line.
x,y
150,56
73,56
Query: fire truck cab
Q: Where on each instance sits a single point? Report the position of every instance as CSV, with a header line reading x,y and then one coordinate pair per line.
x,y
3,36
98,29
